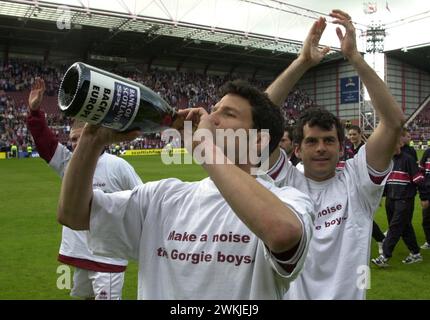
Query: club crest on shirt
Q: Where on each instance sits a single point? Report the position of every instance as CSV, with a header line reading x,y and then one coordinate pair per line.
x,y
103,295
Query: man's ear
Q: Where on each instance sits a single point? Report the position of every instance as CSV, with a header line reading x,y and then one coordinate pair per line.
x,y
297,150
263,140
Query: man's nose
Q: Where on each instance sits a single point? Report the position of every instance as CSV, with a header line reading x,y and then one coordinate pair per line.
x,y
215,119
321,146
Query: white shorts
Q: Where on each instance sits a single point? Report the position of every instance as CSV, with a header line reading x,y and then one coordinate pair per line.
x,y
98,285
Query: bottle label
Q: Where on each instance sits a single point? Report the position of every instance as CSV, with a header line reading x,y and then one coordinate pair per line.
x,y
110,102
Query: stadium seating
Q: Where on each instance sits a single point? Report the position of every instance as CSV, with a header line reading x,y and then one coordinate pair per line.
x,y
179,89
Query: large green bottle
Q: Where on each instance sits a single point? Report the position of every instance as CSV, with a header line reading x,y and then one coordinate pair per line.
x,y
100,97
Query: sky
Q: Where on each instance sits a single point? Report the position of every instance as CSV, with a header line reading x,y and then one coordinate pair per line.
x,y
388,11
279,19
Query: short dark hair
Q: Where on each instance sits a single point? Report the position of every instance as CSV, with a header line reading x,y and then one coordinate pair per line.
x,y
356,128
265,114
320,118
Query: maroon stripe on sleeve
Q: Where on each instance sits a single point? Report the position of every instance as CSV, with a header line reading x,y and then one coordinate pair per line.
x,y
275,174
90,265
340,165
44,138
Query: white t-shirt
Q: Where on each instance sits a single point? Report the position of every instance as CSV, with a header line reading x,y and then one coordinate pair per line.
x,y
300,167
337,262
190,244
112,174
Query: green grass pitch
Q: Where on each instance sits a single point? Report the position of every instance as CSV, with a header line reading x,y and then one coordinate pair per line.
x,y
30,235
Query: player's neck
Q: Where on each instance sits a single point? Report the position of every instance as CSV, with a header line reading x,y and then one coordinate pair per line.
x,y
273,158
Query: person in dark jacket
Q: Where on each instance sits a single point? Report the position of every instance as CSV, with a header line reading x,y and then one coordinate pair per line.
x,y
353,143
400,192
356,142
425,197
406,139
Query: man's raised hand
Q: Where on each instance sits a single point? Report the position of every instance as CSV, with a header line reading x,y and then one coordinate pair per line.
x,y
36,94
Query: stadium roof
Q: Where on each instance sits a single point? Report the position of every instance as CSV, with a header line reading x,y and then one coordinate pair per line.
x,y
115,35
234,30
279,20
119,21
418,56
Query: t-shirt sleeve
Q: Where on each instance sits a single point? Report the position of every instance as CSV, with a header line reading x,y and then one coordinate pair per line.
x,y
60,159
303,208
366,181
129,177
116,222
45,140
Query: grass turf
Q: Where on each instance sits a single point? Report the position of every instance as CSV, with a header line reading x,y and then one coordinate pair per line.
x,y
30,235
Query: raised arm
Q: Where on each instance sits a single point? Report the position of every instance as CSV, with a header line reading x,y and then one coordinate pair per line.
x,y
45,140
264,213
76,189
381,144
310,56
36,94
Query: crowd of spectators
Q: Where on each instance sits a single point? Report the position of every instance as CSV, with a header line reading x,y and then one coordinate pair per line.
x,y
19,75
420,126
296,102
13,129
179,89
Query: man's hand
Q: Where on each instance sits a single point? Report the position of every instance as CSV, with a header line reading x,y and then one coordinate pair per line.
x,y
310,56
192,114
348,44
424,204
36,94
102,136
310,53
200,120
381,144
